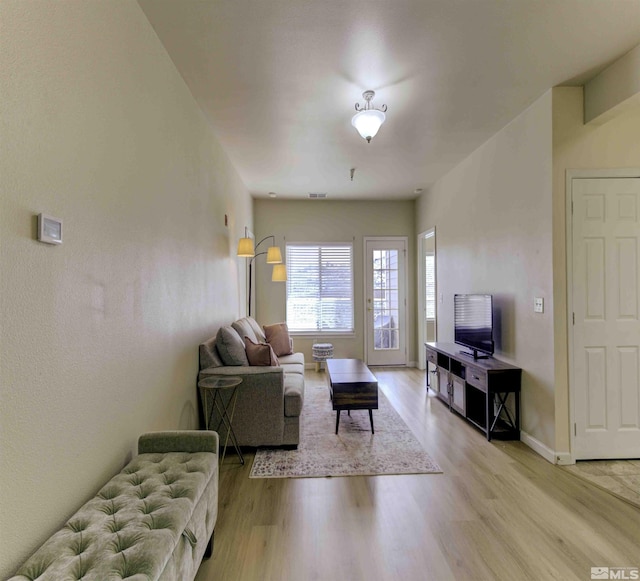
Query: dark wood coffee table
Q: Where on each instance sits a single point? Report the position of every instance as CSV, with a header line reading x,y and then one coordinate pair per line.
x,y
352,387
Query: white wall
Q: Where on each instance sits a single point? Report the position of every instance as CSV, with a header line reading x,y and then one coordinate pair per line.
x,y
100,335
614,90
332,221
492,214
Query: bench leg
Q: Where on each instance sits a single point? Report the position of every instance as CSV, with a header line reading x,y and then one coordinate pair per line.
x,y
371,420
209,550
337,420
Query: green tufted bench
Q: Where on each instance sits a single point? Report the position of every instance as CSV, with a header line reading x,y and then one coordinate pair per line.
x,y
153,520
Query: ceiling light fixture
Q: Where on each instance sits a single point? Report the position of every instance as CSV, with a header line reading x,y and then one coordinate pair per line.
x,y
368,119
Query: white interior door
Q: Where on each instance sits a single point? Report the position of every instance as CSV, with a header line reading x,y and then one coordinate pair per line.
x,y
605,386
385,301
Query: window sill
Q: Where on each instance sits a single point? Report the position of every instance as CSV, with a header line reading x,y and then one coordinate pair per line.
x,y
326,335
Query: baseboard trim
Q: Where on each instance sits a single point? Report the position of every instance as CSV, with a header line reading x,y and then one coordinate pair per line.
x,y
564,459
561,458
538,447
312,365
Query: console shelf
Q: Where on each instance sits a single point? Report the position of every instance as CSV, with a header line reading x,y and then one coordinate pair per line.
x,y
477,389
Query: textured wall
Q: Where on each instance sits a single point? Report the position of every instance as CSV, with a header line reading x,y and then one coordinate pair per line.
x,y
493,222
100,335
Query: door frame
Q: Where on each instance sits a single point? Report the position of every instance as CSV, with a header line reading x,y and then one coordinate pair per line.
x,y
570,175
422,358
405,240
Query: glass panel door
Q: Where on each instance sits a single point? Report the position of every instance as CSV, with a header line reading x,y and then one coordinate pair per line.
x,y
385,299
385,308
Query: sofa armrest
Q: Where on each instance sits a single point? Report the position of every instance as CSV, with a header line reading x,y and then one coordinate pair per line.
x,y
259,414
268,381
178,441
243,371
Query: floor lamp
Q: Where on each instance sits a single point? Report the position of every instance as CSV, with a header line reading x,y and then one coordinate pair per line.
x,y
246,249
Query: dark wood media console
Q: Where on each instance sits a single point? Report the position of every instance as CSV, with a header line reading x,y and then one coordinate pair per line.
x,y
477,389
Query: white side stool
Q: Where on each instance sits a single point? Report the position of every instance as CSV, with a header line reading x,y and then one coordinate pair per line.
x,y
321,352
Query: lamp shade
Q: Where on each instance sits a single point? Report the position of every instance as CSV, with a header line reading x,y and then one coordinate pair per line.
x,y
245,248
367,122
279,273
274,256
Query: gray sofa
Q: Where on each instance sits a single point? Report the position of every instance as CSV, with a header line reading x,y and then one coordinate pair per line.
x,y
153,521
269,399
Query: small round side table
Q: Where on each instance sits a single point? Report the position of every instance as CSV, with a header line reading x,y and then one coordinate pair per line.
x,y
321,352
213,387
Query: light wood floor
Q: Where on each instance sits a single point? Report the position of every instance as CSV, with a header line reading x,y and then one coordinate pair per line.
x,y
498,512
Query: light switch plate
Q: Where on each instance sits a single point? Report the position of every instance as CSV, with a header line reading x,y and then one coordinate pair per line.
x,y
49,229
538,305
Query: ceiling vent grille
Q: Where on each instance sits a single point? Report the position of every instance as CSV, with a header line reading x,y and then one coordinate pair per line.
x,y
317,195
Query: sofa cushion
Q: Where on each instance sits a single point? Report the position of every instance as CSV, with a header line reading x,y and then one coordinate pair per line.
x,y
231,347
257,329
293,394
294,368
260,353
297,358
278,337
244,329
209,356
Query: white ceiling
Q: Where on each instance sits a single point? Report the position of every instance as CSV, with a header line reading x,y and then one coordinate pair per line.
x,y
279,79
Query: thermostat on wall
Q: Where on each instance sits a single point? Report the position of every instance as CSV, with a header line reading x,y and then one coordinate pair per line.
x,y
49,229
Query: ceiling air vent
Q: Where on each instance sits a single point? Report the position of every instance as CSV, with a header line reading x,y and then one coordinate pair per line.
x,y
317,195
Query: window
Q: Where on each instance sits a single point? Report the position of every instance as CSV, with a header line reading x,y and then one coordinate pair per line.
x,y
430,291
320,288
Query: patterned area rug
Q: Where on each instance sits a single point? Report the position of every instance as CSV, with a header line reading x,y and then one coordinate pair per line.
x,y
355,451
619,477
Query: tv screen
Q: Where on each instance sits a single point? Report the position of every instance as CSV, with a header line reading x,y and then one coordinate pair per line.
x,y
473,322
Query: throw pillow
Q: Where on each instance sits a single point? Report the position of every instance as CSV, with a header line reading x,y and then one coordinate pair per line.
x,y
231,347
260,353
209,356
278,337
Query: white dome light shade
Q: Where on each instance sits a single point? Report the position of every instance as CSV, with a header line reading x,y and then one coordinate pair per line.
x,y
367,122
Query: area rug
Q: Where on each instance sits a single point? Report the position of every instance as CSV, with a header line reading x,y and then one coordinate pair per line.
x,y
354,451
618,477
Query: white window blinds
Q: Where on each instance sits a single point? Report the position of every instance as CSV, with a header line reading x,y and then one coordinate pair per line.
x,y
320,288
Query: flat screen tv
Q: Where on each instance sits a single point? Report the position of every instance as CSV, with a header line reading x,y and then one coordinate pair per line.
x,y
473,323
